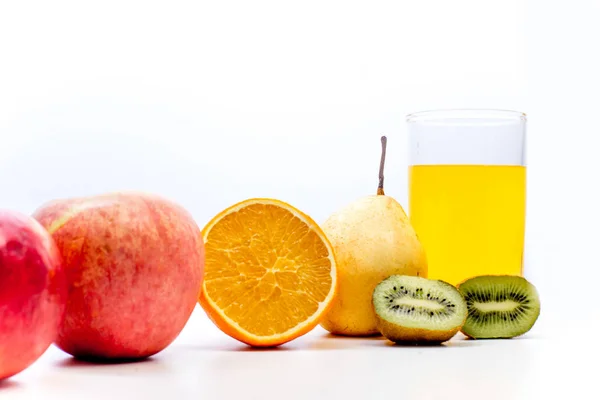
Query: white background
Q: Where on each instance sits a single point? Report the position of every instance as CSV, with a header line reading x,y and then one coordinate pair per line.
x,y
209,103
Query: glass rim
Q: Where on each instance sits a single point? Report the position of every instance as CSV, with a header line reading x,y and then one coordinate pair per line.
x,y
465,114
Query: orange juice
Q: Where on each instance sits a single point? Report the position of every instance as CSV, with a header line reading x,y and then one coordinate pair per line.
x,y
469,218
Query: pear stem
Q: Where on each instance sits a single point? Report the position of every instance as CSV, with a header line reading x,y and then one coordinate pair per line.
x,y
381,165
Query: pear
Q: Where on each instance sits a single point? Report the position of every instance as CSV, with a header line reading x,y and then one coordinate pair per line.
x,y
372,239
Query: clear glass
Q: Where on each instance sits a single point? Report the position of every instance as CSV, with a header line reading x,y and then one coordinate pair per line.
x,y
467,191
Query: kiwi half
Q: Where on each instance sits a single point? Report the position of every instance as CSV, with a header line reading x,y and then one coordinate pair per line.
x,y
499,306
418,310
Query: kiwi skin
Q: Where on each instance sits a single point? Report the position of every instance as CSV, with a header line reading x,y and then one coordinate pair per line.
x,y
405,335
399,334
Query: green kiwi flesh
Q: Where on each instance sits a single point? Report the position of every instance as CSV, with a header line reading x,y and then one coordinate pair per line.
x,y
418,310
499,306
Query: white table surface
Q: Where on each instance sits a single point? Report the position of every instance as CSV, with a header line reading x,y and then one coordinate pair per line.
x,y
204,363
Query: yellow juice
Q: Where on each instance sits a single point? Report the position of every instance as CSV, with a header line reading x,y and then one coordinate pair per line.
x,y
469,218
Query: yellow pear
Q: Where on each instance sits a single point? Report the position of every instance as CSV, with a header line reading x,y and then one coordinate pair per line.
x,y
372,239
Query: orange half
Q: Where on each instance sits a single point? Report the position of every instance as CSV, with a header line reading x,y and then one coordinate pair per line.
x,y
270,272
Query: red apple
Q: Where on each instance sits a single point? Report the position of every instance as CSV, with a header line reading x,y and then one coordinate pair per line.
x,y
134,264
33,292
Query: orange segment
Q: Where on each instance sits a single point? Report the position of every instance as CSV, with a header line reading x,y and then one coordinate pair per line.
x,y
269,272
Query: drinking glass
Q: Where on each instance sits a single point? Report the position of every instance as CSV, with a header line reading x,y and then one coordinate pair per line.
x,y
467,191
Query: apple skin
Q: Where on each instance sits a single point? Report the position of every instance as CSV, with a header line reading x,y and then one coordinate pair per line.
x,y
33,292
134,265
